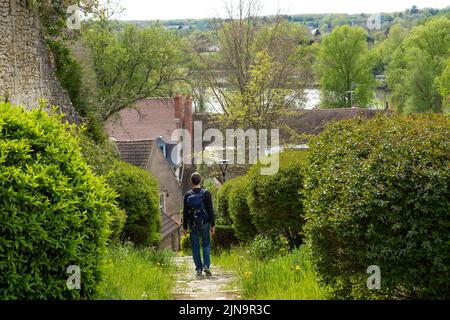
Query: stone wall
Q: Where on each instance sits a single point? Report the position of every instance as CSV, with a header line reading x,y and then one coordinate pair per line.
x,y
27,68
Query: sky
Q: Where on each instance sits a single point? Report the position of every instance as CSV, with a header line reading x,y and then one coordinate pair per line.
x,y
195,9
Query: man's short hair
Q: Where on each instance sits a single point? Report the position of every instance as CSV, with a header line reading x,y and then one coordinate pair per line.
x,y
196,178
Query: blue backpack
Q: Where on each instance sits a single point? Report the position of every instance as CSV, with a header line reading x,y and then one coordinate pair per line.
x,y
197,214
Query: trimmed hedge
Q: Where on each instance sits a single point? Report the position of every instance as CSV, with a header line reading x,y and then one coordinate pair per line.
x,y
223,214
54,212
139,197
239,209
274,201
377,193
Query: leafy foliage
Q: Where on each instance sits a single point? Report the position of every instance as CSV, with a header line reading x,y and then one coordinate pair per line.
x,y
223,212
139,197
385,50
261,104
185,244
263,69
266,247
239,210
54,211
443,83
344,65
416,65
377,193
101,158
68,72
274,201
133,64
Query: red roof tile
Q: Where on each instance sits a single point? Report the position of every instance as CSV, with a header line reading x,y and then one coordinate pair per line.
x,y
149,119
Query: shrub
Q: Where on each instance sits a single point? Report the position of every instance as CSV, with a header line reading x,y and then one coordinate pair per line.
x,y
54,212
224,238
101,158
266,247
213,188
274,200
185,244
377,193
139,197
239,210
118,221
223,214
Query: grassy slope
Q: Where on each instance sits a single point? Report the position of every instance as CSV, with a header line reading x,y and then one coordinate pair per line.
x,y
136,274
288,277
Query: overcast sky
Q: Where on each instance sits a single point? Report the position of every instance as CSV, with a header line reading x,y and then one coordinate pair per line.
x,y
182,9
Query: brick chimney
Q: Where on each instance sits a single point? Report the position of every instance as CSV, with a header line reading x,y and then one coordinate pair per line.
x,y
178,105
187,116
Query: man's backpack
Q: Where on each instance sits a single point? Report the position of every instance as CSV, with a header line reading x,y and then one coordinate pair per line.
x,y
197,214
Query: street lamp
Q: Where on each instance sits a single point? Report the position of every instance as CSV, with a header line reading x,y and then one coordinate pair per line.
x,y
351,92
223,164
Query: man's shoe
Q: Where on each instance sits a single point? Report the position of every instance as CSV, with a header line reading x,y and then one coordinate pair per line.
x,y
207,272
199,273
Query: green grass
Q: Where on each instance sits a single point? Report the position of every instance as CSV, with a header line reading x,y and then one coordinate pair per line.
x,y
288,277
137,274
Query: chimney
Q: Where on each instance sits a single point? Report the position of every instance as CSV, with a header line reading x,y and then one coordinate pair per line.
x,y
187,117
177,105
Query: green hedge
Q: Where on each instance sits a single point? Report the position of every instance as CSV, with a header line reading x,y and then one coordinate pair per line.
x,y
54,212
139,197
239,209
377,193
223,213
274,200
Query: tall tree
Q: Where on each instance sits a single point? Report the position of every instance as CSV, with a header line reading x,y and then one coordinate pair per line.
x,y
262,103
443,83
248,41
416,66
344,67
385,50
134,64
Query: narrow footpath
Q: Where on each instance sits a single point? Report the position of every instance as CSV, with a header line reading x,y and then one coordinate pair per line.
x,y
220,286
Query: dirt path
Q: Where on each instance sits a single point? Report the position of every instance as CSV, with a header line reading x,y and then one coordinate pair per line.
x,y
221,286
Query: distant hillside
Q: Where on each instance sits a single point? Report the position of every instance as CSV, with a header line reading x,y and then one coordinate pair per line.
x,y
323,22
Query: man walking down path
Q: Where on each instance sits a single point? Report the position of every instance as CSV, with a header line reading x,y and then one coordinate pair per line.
x,y
199,219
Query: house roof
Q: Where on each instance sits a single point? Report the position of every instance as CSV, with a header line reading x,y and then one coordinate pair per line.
x,y
168,225
147,120
303,121
135,152
314,121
